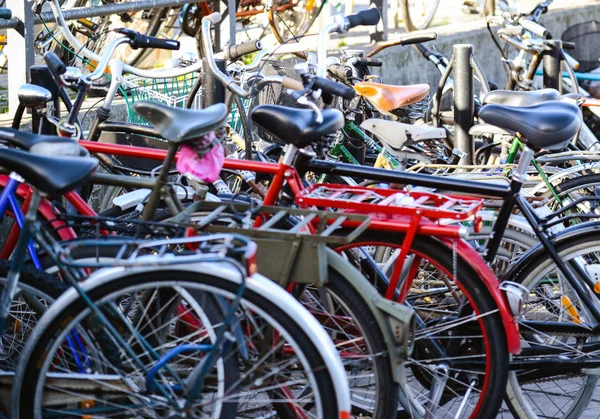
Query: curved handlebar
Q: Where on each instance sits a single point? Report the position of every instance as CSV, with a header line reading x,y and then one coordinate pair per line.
x,y
83,50
368,17
406,39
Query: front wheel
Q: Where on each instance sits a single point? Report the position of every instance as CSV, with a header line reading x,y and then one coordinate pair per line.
x,y
558,391
418,14
167,329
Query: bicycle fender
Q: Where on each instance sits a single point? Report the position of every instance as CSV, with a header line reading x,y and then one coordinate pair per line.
x,y
385,317
511,326
45,210
564,235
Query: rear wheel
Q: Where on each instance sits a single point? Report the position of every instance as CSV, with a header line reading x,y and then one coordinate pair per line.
x,y
460,338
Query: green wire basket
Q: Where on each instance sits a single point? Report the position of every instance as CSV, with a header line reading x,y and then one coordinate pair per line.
x,y
170,91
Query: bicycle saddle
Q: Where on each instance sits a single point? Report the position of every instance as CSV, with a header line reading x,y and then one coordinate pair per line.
x,y
386,98
51,175
178,125
511,98
42,145
548,125
296,126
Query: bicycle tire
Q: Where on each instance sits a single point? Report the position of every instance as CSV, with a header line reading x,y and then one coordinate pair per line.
x,y
282,33
516,396
71,306
476,292
409,24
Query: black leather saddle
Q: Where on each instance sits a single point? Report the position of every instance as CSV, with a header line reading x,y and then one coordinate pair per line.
x,y
178,124
548,125
52,175
26,140
43,145
512,98
296,126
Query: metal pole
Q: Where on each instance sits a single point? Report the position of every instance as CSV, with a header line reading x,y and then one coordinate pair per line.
x,y
114,9
20,49
231,5
464,102
213,90
380,32
552,65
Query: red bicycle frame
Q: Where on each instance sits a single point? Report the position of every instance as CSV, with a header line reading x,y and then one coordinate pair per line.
x,y
449,235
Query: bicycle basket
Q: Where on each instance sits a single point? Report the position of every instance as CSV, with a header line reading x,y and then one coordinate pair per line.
x,y
586,37
170,91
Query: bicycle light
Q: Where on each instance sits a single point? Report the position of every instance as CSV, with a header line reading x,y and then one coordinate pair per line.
x,y
516,295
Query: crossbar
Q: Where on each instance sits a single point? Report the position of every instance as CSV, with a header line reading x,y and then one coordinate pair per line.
x,y
104,10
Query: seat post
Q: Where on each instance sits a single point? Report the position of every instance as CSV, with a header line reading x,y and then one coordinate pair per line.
x,y
159,184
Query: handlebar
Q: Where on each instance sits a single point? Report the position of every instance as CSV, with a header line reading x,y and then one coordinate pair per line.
x,y
368,17
334,88
55,65
534,28
406,39
340,71
366,62
342,24
138,40
84,51
235,52
5,13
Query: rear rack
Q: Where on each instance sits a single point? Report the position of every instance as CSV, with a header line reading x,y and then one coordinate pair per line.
x,y
291,242
376,201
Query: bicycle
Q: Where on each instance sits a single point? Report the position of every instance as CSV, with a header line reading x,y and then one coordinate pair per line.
x,y
158,357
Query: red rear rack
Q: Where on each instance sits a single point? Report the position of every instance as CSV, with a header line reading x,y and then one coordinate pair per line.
x,y
389,201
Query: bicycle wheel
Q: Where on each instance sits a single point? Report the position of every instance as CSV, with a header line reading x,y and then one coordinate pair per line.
x,y
293,19
354,330
567,393
35,292
281,366
468,350
418,14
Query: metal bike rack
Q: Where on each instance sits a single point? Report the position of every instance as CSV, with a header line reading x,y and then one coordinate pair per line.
x,y
552,61
464,104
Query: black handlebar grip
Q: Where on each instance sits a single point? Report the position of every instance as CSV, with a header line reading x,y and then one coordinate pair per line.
x,y
55,65
415,38
5,13
368,62
334,88
368,17
145,41
235,52
340,71
568,45
425,52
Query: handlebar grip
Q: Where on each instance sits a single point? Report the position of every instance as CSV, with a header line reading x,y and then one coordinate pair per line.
x,y
235,52
55,65
568,45
214,17
5,13
289,83
534,28
416,38
423,50
334,88
368,17
511,30
340,71
145,41
368,62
